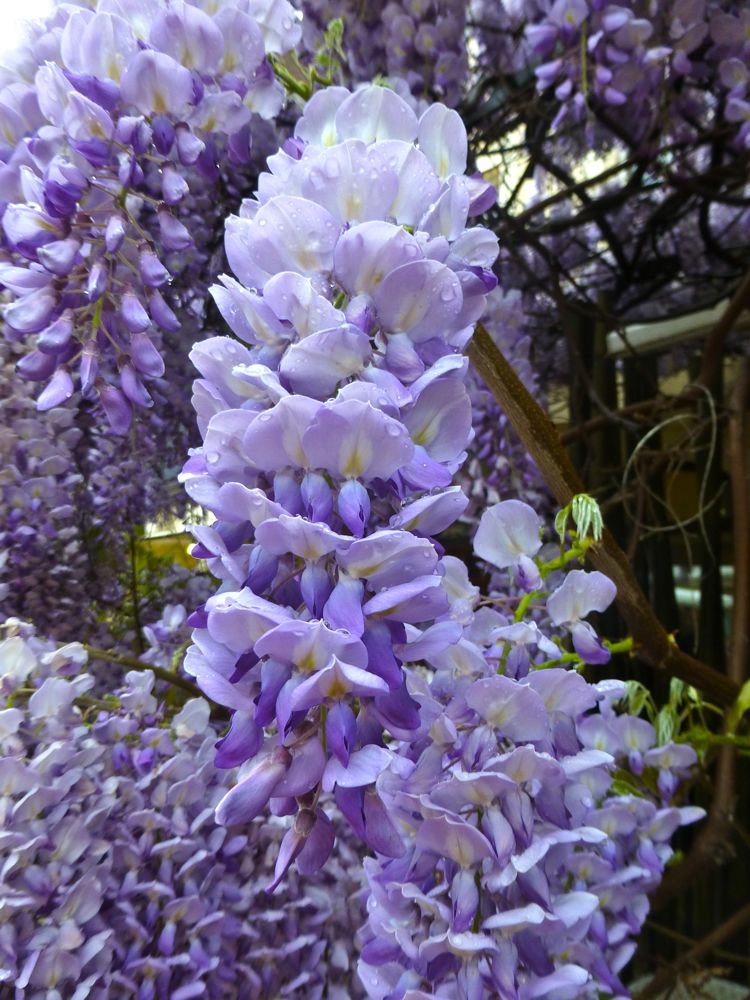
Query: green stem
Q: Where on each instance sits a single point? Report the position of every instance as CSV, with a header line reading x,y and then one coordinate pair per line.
x,y
323,736
523,606
134,664
576,553
622,646
290,83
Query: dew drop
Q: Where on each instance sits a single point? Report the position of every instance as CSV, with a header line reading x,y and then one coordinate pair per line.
x,y
317,180
331,168
212,457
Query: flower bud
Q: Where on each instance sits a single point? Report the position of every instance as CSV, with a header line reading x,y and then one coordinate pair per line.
x,y
353,505
316,496
161,314
117,408
145,356
174,236
114,234
133,387
64,185
57,391
243,802
60,256
130,173
133,315
174,187
57,335
189,146
152,271
163,134
31,313
97,283
89,368
36,366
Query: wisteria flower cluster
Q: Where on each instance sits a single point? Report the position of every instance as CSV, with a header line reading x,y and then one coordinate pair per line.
x,y
116,880
363,688
347,644
43,570
72,497
635,56
419,42
535,818
330,444
109,117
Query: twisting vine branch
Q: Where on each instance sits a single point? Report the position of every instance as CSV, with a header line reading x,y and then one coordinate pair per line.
x,y
539,436
663,980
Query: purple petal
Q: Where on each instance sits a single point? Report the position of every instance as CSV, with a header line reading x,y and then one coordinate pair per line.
x,y
318,845
305,771
334,681
507,531
242,803
57,391
353,440
417,601
155,83
419,299
256,251
579,594
316,365
513,708
343,609
309,645
453,838
363,768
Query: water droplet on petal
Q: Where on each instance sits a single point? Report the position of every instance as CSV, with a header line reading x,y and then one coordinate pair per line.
x,y
331,168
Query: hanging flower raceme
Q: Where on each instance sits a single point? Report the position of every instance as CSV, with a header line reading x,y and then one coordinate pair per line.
x,y
526,868
331,436
648,65
43,559
110,121
420,43
117,881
